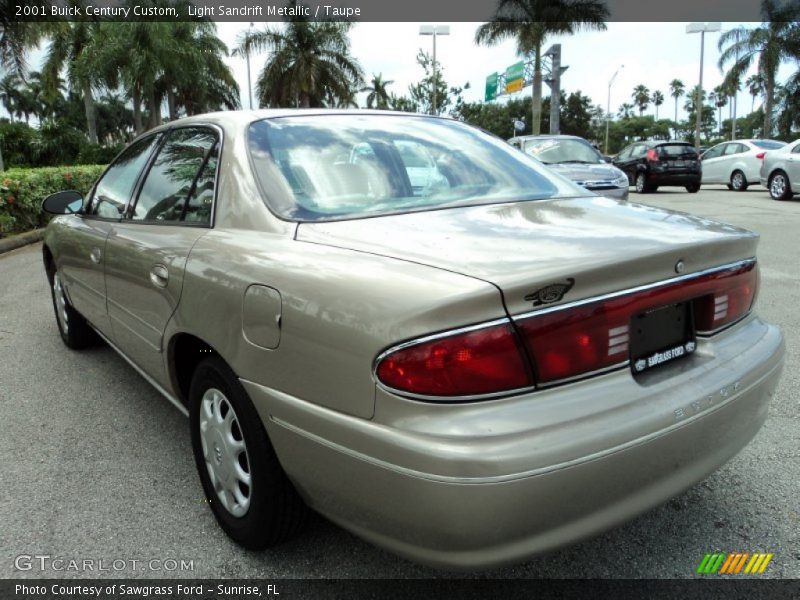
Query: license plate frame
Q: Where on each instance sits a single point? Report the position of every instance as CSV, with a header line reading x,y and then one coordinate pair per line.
x,y
661,335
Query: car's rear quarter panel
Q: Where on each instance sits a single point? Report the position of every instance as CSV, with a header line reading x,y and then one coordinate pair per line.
x,y
339,310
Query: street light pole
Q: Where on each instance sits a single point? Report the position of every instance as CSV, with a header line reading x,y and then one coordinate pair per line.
x,y
247,54
702,28
608,104
434,30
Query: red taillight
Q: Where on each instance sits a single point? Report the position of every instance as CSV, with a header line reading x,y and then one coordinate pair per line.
x,y
594,336
561,343
481,361
652,155
760,155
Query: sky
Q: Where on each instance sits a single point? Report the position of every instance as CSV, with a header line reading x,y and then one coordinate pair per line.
x,y
652,53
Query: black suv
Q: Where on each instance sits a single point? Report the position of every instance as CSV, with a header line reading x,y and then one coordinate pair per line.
x,y
651,164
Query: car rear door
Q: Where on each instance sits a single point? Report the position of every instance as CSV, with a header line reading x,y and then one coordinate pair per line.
x,y
147,251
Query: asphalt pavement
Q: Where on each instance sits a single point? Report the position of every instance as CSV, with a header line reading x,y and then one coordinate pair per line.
x,y
96,465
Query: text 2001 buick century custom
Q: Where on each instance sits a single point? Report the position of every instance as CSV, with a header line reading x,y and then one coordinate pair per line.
x,y
407,325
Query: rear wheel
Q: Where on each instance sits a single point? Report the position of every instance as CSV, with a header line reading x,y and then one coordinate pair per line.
x,y
779,188
641,184
250,495
693,189
738,182
74,330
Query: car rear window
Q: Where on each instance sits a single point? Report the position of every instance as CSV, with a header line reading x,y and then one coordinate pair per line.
x,y
342,166
768,144
677,150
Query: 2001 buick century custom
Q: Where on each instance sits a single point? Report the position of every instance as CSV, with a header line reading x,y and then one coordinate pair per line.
x,y
409,326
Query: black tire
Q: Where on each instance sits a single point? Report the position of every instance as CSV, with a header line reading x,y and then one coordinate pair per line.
x,y
729,186
641,184
738,182
693,189
75,332
779,187
275,511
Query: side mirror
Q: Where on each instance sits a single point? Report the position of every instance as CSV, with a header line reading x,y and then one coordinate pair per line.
x,y
63,203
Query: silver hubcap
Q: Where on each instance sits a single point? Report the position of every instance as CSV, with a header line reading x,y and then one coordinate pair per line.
x,y
778,186
738,181
225,452
61,304
640,183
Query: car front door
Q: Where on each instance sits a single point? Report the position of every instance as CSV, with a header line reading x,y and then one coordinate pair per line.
x,y
622,162
147,251
713,164
83,257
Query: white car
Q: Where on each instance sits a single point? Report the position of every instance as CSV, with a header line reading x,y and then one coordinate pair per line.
x,y
780,172
736,164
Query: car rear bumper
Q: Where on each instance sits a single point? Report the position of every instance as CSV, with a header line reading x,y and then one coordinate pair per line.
x,y
674,178
455,500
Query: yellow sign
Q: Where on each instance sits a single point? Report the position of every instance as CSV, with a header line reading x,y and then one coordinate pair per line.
x,y
514,86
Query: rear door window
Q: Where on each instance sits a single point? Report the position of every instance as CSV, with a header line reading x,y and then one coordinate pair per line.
x,y
181,178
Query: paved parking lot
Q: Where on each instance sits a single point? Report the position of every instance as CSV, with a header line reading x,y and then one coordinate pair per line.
x,y
97,465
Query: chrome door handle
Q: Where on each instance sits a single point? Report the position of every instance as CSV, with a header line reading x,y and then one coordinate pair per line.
x,y
96,255
159,276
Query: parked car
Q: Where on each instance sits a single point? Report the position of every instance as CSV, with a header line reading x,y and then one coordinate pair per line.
x,y
466,375
652,164
780,171
736,163
577,160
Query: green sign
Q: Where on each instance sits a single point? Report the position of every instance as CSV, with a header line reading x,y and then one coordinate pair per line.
x,y
515,75
491,87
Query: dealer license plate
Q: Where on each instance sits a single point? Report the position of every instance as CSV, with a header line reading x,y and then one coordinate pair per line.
x,y
661,335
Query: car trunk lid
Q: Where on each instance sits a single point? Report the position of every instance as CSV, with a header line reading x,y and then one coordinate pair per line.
x,y
543,253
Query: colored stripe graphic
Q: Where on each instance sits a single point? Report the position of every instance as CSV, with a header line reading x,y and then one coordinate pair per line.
x,y
723,563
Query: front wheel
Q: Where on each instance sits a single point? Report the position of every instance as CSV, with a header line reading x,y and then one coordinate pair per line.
x,y
779,188
693,189
738,182
250,495
74,330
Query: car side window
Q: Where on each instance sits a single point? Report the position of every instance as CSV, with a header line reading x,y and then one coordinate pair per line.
x,y
796,149
625,153
715,152
638,150
732,149
180,181
112,192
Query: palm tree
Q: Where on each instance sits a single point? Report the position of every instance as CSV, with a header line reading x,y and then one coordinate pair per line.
x,y
676,90
529,22
776,40
10,93
641,97
309,63
720,99
378,94
625,110
690,105
657,99
74,45
755,86
16,37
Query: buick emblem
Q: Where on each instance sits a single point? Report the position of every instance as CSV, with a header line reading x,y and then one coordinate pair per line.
x,y
679,266
550,293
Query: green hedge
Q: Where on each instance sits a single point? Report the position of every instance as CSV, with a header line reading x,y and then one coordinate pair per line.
x,y
22,192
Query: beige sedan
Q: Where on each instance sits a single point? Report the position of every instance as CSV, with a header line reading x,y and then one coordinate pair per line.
x,y
410,327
